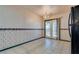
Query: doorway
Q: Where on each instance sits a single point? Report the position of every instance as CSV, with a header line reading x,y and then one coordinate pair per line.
x,y
52,28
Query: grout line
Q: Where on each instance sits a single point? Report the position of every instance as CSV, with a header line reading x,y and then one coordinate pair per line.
x,y
21,29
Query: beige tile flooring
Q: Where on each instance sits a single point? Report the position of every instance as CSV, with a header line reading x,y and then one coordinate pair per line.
x,y
41,46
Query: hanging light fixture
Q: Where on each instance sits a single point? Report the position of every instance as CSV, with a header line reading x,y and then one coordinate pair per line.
x,y
46,11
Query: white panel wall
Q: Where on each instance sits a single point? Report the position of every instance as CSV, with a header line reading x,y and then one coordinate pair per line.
x,y
11,38
14,17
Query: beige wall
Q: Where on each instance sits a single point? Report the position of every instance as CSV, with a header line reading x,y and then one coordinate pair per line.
x,y
14,17
64,25
18,17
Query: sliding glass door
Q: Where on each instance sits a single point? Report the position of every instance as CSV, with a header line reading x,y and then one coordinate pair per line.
x,y
52,29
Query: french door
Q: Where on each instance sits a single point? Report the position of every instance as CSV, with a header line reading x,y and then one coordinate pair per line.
x,y
52,28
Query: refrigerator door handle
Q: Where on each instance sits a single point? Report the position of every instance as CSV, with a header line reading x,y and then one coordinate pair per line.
x,y
69,24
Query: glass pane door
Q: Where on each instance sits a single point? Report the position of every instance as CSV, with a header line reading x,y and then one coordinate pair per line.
x,y
55,29
48,28
52,29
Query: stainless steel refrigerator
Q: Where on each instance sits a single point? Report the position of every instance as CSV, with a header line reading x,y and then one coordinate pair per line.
x,y
74,29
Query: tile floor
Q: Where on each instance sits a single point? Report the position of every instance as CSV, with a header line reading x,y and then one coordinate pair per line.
x,y
41,46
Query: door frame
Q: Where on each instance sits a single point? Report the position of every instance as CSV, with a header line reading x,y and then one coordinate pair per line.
x,y
45,27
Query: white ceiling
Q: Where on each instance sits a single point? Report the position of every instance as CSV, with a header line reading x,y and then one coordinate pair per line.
x,y
48,9
45,9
